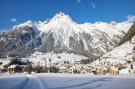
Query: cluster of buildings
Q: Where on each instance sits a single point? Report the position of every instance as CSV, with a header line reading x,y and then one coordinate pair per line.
x,y
106,66
99,67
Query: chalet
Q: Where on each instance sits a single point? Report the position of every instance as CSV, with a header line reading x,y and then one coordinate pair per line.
x,y
98,71
63,69
73,69
14,68
114,70
85,69
124,71
104,70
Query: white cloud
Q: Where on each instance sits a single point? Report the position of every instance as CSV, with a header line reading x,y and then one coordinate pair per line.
x,y
13,20
93,4
78,1
131,18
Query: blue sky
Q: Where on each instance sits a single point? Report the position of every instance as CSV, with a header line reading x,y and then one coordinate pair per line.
x,y
14,12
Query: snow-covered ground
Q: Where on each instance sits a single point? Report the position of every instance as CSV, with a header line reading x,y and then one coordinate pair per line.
x,y
66,81
39,57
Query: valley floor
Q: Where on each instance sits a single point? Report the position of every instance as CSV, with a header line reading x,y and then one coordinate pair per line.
x,y
66,81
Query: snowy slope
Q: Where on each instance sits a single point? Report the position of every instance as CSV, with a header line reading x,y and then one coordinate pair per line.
x,y
66,81
120,55
42,58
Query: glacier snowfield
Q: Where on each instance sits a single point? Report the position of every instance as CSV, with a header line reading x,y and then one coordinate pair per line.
x,y
66,81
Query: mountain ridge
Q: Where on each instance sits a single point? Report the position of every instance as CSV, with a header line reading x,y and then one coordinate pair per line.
x,y
62,34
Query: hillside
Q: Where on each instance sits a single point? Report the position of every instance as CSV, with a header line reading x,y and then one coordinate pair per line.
x,y
128,35
123,55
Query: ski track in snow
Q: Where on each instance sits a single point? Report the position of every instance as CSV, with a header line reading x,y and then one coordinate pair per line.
x,y
35,81
22,84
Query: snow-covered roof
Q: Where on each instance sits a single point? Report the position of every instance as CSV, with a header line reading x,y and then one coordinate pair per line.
x,y
62,67
13,66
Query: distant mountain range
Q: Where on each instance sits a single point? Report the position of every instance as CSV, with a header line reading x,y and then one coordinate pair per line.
x,y
62,35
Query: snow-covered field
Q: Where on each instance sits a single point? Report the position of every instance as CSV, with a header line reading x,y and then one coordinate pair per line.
x,y
66,81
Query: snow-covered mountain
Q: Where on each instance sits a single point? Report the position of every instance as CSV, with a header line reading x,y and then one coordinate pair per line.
x,y
121,55
61,34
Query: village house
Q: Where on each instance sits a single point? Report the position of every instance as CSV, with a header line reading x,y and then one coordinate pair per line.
x,y
14,68
63,69
114,70
85,69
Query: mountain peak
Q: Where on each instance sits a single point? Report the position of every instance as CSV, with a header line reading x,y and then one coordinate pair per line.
x,y
60,16
61,13
27,23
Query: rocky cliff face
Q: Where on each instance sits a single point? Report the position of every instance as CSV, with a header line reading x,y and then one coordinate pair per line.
x,y
20,41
